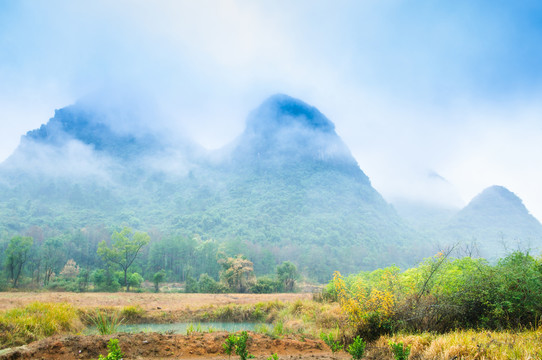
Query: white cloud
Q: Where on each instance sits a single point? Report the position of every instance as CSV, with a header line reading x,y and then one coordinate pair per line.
x,y
412,87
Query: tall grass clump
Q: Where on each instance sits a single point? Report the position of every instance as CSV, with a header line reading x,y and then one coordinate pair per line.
x,y
132,313
37,321
464,344
106,324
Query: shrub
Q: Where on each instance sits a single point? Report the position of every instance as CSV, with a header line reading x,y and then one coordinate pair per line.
x,y
369,308
333,344
114,353
237,343
241,346
265,285
132,312
400,352
357,348
105,280
229,345
208,285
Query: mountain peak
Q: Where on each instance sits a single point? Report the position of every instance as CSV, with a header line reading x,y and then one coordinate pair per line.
x,y
497,197
285,132
496,218
281,110
75,122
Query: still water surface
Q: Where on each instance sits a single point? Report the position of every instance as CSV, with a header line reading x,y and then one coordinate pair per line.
x,y
181,328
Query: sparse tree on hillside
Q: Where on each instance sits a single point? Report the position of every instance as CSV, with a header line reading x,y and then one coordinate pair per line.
x,y
157,278
17,255
287,275
125,246
53,256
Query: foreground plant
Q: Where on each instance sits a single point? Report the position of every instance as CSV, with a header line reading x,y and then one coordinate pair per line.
x,y
400,352
115,353
36,321
357,348
229,345
331,342
237,343
106,324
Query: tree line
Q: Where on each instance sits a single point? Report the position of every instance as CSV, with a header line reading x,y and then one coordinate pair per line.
x,y
99,259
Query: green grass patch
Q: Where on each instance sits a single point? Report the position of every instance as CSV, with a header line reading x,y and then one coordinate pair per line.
x,y
106,324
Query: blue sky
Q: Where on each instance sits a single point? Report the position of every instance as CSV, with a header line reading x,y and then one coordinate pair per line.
x,y
412,86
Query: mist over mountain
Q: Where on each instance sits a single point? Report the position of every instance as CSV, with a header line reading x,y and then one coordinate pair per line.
x,y
288,184
431,205
75,123
497,221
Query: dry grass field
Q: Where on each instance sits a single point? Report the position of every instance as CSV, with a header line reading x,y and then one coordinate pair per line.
x,y
147,301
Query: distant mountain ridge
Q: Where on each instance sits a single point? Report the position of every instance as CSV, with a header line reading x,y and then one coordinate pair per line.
x,y
288,184
497,220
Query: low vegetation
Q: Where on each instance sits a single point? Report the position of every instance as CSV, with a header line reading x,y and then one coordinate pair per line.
x,y
105,323
444,308
463,344
37,321
114,353
357,348
441,295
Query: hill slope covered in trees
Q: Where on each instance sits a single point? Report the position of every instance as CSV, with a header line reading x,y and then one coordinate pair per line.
x,y
287,185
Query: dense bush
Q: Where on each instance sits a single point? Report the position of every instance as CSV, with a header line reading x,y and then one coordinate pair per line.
x,y
443,294
265,285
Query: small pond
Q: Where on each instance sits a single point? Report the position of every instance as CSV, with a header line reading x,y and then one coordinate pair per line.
x,y
184,327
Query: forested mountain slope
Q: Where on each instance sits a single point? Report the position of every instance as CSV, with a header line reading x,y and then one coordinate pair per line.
x,y
287,184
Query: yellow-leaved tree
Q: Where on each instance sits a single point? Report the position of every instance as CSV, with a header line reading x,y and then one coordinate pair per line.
x,y
369,305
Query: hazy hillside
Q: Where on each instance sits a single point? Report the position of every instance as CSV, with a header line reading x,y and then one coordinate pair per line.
x,y
287,184
497,221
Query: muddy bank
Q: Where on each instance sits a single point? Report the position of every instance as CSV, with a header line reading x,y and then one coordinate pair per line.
x,y
170,346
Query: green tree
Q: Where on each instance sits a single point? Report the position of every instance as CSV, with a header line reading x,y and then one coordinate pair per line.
x,y
134,280
105,280
208,285
125,246
287,274
157,278
53,257
17,255
265,285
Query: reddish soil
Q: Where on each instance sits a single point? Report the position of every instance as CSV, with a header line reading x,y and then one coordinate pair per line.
x,y
206,346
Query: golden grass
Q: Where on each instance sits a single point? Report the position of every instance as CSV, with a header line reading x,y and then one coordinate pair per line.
x,y
36,321
465,345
